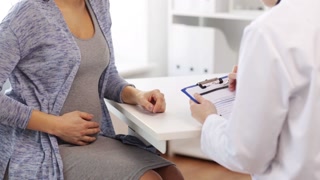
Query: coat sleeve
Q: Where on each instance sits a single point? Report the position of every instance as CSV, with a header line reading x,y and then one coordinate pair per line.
x,y
12,112
247,142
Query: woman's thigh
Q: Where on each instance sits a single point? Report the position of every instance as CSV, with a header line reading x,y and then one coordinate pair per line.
x,y
108,158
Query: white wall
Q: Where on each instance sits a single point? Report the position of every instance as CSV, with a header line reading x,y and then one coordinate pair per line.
x,y
139,31
158,36
129,29
5,5
140,35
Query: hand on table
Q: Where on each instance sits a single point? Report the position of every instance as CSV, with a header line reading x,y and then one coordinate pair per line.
x,y
153,101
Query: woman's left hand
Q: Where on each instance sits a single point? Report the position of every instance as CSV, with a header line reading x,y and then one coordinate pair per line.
x,y
152,101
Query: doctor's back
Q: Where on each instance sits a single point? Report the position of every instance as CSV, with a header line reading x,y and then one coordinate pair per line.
x,y
274,129
289,62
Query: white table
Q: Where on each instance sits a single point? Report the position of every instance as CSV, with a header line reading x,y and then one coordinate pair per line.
x,y
175,123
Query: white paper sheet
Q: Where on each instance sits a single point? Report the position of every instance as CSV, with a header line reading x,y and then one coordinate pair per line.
x,y
218,94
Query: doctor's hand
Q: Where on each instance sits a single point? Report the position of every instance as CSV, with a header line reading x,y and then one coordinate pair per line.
x,y
202,110
77,128
233,78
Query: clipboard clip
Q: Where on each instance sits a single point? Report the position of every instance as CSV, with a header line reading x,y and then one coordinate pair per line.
x,y
208,82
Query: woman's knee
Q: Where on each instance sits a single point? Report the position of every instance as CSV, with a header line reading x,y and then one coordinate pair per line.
x,y
150,175
170,172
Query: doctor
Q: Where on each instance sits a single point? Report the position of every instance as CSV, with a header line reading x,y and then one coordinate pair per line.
x,y
273,132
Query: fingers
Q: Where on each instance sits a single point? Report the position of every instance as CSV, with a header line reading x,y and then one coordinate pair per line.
x,y
90,131
88,117
78,128
85,140
155,102
87,137
233,78
199,98
85,116
92,124
191,102
233,74
91,128
160,103
202,110
235,69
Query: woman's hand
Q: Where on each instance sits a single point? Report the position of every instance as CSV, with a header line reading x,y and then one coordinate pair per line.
x,y
153,101
233,79
74,127
77,128
202,110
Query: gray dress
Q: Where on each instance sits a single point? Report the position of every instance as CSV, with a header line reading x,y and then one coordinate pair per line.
x,y
106,158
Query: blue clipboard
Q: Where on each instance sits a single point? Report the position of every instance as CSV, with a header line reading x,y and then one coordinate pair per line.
x,y
215,90
205,87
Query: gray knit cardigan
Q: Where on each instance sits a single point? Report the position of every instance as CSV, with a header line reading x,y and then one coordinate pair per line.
x,y
40,57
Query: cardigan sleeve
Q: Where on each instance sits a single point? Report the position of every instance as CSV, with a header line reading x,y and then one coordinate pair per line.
x,y
12,112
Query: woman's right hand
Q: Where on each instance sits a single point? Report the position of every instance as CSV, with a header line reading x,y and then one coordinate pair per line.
x,y
77,128
233,78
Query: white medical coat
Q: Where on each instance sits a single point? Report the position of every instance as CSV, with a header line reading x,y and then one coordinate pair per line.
x,y
274,129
